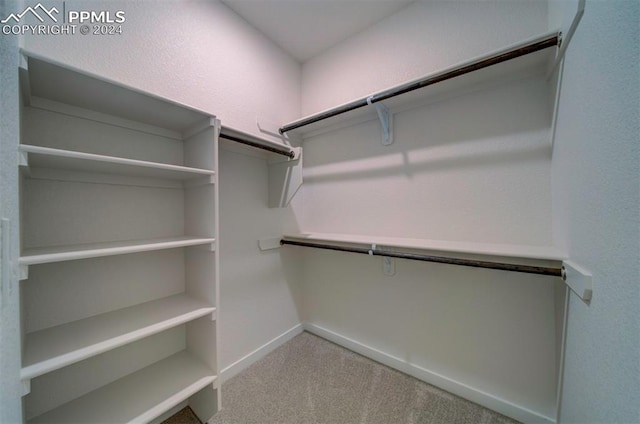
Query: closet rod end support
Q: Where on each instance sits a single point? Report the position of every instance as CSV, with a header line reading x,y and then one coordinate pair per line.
x,y
579,280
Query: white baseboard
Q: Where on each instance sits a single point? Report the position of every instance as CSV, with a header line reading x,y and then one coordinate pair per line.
x,y
487,400
244,362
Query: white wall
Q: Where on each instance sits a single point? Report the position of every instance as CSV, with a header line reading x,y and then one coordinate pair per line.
x,y
476,167
204,55
470,168
422,38
260,297
10,405
596,200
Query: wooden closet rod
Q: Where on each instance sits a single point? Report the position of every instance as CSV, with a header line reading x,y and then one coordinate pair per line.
x,y
284,152
554,272
484,62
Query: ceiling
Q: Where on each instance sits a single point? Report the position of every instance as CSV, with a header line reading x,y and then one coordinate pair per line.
x,y
305,28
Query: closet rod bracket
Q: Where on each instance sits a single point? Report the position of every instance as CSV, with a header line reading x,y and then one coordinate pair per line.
x,y
579,280
385,120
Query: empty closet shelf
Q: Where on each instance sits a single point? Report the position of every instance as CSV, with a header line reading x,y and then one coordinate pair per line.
x,y
484,249
522,59
45,157
518,258
138,397
43,255
53,348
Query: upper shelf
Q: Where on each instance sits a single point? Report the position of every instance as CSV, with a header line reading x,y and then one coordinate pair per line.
x,y
529,57
46,157
46,79
545,253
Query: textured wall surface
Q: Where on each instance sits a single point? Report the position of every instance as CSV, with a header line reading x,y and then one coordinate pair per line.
x,y
469,168
596,195
10,405
423,38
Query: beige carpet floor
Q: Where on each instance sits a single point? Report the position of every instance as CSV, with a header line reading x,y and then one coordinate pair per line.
x,y
312,381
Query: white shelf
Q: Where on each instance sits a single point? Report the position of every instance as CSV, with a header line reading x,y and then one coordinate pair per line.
x,y
43,255
452,247
45,157
138,397
53,348
522,67
64,84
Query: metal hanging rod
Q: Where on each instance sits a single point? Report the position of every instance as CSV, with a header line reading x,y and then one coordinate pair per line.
x,y
277,150
554,272
503,56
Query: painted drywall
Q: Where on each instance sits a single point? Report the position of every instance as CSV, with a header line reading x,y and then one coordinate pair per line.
x,y
596,207
422,38
471,168
259,296
474,167
204,55
10,389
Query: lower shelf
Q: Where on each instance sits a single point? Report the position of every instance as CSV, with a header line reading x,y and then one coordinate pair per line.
x,y
543,253
138,397
53,348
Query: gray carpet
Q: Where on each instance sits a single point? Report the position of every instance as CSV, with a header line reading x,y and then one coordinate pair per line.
x,y
312,381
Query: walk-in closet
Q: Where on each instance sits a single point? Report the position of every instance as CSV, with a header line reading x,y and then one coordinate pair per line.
x,y
319,211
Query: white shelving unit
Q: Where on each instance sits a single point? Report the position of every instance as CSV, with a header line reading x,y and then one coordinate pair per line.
x,y
119,218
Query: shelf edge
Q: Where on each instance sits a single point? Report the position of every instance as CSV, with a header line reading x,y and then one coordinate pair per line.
x,y
111,251
91,157
60,361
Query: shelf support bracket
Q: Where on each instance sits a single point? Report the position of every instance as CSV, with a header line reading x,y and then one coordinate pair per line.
x,y
285,178
23,272
23,159
385,120
578,279
25,83
23,163
26,387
